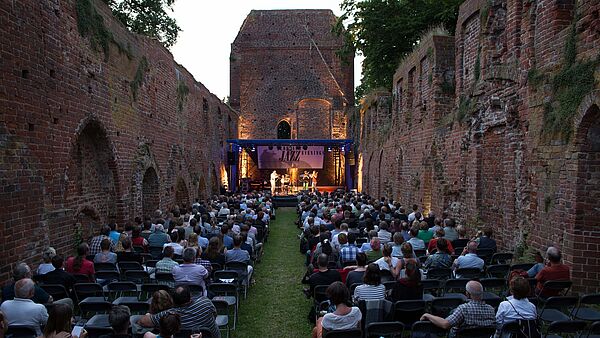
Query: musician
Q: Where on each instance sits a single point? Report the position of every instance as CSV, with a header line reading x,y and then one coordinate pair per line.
x,y
274,177
313,176
305,178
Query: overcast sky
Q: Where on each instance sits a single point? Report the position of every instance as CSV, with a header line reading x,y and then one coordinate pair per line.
x,y
209,28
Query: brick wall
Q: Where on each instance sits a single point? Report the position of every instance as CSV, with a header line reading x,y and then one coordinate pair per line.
x,y
480,149
284,67
88,136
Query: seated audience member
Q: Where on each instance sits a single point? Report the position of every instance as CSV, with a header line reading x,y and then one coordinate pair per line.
x,y
119,318
348,249
47,258
387,262
358,272
166,264
375,251
168,326
441,258
437,225
214,252
114,235
409,286
189,273
227,240
237,254
197,312
128,254
408,256
161,301
367,246
432,246
450,229
462,239
335,239
105,256
177,248
486,241
515,307
383,234
414,214
97,240
59,323
324,276
22,310
21,271
396,247
538,266
158,238
137,240
474,313
469,258
554,270
344,317
417,243
58,275
371,289
424,234
79,264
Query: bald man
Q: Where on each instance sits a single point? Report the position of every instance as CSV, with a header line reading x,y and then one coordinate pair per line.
x,y
474,313
22,310
469,258
554,270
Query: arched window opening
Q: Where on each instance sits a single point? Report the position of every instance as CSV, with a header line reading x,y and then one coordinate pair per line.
x,y
284,130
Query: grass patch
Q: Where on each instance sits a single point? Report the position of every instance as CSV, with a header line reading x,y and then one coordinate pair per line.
x,y
276,306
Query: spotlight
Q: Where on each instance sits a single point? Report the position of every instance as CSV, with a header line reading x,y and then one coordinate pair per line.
x,y
240,149
253,149
328,148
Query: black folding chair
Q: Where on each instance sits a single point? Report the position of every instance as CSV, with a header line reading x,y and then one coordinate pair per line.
x,y
242,268
81,278
594,331
351,333
228,293
561,287
476,332
107,276
431,289
502,258
439,273
421,328
498,271
559,308
485,254
456,288
408,311
105,267
91,291
137,276
129,265
468,273
586,311
384,329
442,306
565,329
147,290
20,331
92,306
223,313
57,291
120,292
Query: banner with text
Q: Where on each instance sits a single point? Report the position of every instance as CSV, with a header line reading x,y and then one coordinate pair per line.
x,y
284,157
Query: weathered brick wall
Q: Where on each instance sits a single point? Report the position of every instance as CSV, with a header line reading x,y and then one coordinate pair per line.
x,y
88,136
484,149
284,67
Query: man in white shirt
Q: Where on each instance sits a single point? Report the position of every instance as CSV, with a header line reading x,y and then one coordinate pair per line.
x,y
22,310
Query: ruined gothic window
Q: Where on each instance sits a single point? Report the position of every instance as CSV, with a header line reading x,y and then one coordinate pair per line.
x,y
284,130
205,105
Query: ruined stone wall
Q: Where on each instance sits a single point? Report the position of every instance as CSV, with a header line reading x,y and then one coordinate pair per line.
x,y
284,67
511,139
96,124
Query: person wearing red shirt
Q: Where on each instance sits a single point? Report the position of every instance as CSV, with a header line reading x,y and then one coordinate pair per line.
x,y
554,270
439,233
80,264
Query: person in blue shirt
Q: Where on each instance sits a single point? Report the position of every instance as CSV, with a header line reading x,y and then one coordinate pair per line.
x,y
114,235
227,240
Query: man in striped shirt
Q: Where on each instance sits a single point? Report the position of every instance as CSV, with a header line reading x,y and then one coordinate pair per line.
x,y
194,313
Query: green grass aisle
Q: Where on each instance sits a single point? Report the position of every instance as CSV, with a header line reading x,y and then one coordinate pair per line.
x,y
276,306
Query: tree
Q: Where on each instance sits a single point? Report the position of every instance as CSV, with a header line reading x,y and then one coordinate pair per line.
x,y
148,17
386,30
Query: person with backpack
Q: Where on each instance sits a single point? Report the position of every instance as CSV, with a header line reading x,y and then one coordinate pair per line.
x,y
517,307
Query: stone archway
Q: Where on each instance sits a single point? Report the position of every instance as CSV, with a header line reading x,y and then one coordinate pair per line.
x,y
284,130
587,185
150,192
182,197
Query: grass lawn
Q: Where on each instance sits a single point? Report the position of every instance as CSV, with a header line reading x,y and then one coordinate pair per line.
x,y
276,306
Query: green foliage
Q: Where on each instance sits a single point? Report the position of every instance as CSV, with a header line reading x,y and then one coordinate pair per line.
x,y
147,17
386,30
465,107
477,71
77,237
448,87
535,78
182,93
139,77
91,24
573,82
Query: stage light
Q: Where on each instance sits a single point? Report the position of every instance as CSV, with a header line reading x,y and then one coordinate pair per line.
x,y
328,148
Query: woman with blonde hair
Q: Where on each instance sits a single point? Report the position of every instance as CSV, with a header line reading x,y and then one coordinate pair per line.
x,y
161,301
47,265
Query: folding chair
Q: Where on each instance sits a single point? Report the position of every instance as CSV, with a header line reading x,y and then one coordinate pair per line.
x,y
81,278
164,278
147,290
431,289
420,252
57,291
453,285
138,248
493,291
137,276
485,254
151,263
88,292
21,331
442,306
468,273
120,292
126,266
228,293
562,287
222,319
156,252
107,276
98,325
422,328
242,268
439,273
351,333
586,312
137,307
476,332
558,308
594,331
502,258
408,311
497,271
565,329
94,307
105,267
386,276
384,329
458,250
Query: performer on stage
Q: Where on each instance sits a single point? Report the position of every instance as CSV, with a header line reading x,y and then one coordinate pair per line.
x,y
305,178
274,177
313,176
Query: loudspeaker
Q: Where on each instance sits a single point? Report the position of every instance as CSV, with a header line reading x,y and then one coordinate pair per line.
x,y
232,158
